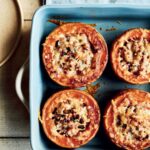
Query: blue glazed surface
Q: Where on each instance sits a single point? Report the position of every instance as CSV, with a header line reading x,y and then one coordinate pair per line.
x,y
41,87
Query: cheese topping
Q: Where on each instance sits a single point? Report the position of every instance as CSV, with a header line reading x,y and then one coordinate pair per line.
x,y
134,56
70,117
132,121
72,55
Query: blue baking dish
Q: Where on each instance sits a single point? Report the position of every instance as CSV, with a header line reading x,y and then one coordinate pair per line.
x,y
106,17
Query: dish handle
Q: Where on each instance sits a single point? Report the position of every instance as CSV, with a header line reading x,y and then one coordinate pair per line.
x,y
18,83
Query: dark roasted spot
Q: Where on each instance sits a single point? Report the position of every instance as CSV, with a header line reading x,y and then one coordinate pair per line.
x,y
81,126
68,49
54,111
57,118
118,120
81,120
130,130
94,50
63,53
72,110
87,124
57,44
62,133
135,110
79,72
65,71
62,115
125,43
84,105
146,137
124,126
77,116
71,54
138,138
56,122
67,120
72,81
121,60
66,111
80,40
67,38
136,73
137,128
53,117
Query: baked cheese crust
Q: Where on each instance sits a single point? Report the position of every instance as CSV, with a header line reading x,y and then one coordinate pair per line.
x,y
70,118
74,54
127,119
130,56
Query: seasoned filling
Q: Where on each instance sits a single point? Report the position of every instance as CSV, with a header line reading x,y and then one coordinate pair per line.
x,y
70,118
72,55
134,56
132,122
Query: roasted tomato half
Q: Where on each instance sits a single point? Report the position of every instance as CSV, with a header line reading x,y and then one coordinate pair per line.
x,y
127,119
70,118
130,56
74,54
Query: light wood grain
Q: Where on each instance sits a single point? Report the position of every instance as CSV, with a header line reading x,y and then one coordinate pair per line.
x,y
29,7
15,144
14,119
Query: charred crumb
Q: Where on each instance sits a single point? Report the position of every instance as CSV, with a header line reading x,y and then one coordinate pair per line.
x,y
68,49
137,73
63,119
87,124
84,105
66,111
63,53
124,126
111,29
146,137
137,128
118,122
93,48
125,43
81,120
55,110
138,138
53,117
81,126
57,44
79,72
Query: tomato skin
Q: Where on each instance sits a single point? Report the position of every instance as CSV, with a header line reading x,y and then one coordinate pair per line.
x,y
93,115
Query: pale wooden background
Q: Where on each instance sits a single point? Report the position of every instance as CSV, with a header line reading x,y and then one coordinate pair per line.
x,y
14,119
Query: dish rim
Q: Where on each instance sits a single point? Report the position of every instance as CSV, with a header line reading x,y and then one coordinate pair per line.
x,y
37,13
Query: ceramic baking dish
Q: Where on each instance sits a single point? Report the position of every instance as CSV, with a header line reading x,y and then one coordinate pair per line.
x,y
110,20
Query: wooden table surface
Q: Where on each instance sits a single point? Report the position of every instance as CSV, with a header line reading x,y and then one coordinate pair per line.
x,y
14,119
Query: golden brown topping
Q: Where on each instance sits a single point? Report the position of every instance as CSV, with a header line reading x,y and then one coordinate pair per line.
x,y
70,118
129,121
72,55
130,56
134,56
